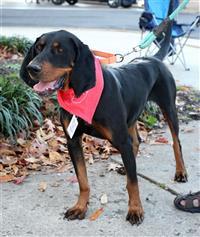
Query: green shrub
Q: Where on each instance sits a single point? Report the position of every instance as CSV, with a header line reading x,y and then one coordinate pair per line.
x,y
150,115
19,106
15,44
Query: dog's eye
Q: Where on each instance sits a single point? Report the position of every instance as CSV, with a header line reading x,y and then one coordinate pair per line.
x,y
56,47
39,47
57,50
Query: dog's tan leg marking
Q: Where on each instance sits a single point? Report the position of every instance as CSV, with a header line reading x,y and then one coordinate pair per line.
x,y
134,135
79,210
181,173
135,213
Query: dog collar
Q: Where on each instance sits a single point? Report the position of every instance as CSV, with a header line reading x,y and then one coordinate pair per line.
x,y
85,105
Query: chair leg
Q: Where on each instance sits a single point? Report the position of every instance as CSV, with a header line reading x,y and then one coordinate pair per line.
x,y
170,56
180,55
151,49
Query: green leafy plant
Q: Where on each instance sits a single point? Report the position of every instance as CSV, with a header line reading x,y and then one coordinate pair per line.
x,y
19,106
151,114
15,44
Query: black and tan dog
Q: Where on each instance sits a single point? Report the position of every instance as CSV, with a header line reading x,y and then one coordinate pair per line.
x,y
61,58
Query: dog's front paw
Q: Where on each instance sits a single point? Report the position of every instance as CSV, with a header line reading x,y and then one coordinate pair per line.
x,y
181,176
75,212
135,216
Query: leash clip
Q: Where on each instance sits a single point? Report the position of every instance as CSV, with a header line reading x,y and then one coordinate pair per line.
x,y
136,49
119,58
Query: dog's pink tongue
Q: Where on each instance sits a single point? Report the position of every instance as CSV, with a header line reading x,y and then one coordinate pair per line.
x,y
43,86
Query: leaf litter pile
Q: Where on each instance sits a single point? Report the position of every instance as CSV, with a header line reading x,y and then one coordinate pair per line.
x,y
45,150
188,104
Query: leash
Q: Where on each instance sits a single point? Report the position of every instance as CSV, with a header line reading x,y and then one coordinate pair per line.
x,y
109,58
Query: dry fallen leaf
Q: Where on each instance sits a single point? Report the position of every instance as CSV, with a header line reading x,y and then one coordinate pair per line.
x,y
106,151
55,184
64,168
34,166
53,144
15,169
32,159
90,159
38,147
7,152
42,186
61,140
42,136
143,132
49,136
9,160
73,179
113,166
45,160
63,148
21,141
159,141
39,135
96,214
7,178
162,140
188,130
54,156
19,180
104,199
48,124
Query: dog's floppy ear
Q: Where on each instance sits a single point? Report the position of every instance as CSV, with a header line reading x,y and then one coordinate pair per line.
x,y
23,71
83,72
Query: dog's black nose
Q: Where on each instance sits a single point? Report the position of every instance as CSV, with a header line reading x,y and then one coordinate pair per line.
x,y
34,69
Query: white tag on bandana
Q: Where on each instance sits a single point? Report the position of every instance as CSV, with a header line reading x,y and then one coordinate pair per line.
x,y
72,126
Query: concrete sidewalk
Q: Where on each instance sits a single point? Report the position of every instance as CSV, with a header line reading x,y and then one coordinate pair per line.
x,y
28,212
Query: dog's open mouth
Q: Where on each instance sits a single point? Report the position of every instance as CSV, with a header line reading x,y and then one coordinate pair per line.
x,y
46,88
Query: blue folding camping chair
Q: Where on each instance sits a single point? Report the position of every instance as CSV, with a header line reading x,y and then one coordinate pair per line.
x,y
155,12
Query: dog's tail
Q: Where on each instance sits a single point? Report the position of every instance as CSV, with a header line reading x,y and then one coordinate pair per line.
x,y
165,42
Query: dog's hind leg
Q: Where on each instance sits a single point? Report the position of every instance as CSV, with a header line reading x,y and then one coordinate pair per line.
x,y
165,96
172,120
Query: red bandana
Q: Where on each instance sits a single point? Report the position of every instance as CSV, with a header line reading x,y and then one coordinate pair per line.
x,y
85,105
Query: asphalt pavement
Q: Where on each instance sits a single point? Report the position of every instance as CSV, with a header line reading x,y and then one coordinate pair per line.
x,y
85,14
25,211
